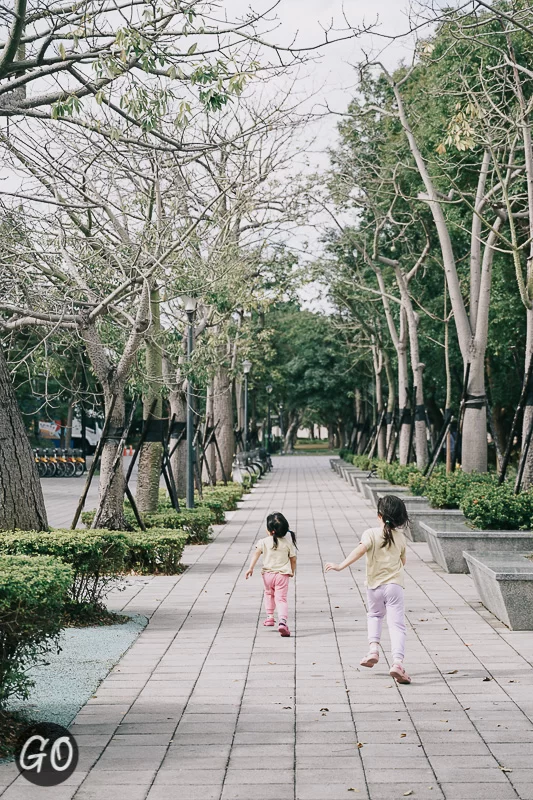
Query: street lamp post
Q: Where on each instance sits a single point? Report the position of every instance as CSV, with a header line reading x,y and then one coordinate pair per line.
x,y
246,367
281,425
189,304
269,389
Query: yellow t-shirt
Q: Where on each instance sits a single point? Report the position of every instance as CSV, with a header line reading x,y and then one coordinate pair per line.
x,y
383,564
276,560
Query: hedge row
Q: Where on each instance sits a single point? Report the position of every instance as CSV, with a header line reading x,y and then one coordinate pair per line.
x,y
195,522
98,557
32,598
484,503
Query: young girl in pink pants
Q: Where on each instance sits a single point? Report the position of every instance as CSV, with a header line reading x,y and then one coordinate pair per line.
x,y
279,564
384,548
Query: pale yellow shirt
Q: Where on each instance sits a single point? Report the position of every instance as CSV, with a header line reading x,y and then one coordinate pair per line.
x,y
276,560
383,564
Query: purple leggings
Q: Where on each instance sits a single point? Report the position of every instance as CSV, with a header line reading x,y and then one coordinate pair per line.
x,y
387,599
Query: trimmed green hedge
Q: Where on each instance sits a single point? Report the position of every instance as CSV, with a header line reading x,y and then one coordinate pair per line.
x,y
492,507
218,499
32,598
155,551
396,473
96,557
196,522
447,491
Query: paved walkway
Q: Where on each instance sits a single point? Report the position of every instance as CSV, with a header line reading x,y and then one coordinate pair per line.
x,y
209,705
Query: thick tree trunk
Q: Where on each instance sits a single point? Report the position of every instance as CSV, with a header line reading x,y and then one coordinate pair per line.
x,y
149,474
292,432
21,498
178,461
527,478
223,411
111,502
474,436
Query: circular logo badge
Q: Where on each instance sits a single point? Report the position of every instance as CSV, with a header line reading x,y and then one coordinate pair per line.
x,y
46,754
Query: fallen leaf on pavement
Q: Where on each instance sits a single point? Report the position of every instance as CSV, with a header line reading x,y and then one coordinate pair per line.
x,y
360,744
504,769
453,672
487,679
324,709
406,794
403,735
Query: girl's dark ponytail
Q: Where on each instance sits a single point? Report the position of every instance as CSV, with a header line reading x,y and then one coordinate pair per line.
x,y
279,527
393,512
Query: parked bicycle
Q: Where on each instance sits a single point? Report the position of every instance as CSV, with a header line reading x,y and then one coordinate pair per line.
x,y
59,462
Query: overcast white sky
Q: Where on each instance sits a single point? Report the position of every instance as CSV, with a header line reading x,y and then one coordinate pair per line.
x,y
331,79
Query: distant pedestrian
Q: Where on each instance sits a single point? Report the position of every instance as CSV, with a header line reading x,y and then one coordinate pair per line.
x,y
384,548
279,564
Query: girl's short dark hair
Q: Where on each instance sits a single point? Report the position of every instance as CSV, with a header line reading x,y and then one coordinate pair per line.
x,y
393,512
279,527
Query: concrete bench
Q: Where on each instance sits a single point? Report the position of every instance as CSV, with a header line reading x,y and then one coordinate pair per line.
x,y
448,539
504,582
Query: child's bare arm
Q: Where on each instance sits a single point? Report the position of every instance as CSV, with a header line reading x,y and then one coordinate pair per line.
x,y
293,565
403,558
354,556
253,562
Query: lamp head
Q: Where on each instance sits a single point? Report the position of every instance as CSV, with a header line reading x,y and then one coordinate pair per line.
x,y
189,303
269,389
246,366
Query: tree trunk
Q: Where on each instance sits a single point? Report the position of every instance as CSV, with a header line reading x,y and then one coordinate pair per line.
x,y
527,478
111,503
239,402
292,432
149,473
178,461
403,399
68,426
382,437
21,497
211,453
391,405
223,413
474,431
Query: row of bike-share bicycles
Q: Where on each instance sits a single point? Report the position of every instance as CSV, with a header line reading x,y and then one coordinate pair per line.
x,y
58,462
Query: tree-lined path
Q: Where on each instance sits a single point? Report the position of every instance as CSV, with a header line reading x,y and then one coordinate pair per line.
x,y
208,704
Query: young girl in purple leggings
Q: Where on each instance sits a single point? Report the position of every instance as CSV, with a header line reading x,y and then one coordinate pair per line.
x,y
384,548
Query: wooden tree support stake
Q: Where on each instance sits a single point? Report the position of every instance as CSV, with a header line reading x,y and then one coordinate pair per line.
x,y
94,464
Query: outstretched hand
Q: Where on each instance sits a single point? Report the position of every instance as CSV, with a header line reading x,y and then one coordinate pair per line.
x,y
249,573
330,566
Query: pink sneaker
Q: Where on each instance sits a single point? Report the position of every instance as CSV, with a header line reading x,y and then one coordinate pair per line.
x,y
370,660
399,674
283,629
269,622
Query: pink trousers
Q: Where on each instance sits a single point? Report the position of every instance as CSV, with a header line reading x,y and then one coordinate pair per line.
x,y
387,599
276,588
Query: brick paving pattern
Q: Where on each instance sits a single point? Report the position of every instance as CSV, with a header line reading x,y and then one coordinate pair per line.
x,y
209,705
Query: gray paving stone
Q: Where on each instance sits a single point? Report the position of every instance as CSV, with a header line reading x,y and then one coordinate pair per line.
x,y
478,791
206,679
